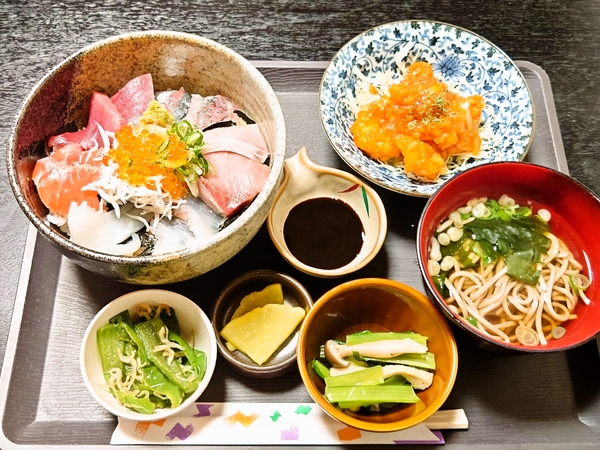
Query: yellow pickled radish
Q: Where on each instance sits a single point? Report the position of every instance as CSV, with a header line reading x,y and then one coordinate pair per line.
x,y
260,332
271,294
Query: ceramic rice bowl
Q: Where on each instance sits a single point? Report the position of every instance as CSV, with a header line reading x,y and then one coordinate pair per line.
x,y
60,101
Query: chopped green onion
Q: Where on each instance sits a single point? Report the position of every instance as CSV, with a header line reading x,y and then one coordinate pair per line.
x,y
527,336
558,332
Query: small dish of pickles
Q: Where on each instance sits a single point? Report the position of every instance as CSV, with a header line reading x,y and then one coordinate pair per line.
x,y
256,319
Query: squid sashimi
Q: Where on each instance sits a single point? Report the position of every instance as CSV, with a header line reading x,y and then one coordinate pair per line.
x,y
133,98
104,231
232,182
103,114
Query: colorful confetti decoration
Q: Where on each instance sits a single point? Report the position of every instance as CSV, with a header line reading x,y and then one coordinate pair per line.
x,y
180,432
141,428
291,434
303,409
348,434
242,419
203,409
291,424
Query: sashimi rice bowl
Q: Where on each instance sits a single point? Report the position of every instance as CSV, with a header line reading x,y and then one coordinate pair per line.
x,y
150,157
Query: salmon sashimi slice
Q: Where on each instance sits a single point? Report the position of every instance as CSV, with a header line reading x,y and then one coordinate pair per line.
x,y
232,182
245,133
61,177
132,99
103,113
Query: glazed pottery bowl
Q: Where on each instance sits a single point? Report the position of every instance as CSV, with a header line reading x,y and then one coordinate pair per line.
x,y
378,305
575,213
60,101
294,294
467,63
195,329
317,242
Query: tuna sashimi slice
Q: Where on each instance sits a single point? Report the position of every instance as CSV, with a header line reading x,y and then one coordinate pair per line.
x,y
236,146
245,133
133,98
233,181
102,112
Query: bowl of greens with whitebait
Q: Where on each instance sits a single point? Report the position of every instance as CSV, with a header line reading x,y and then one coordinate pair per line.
x,y
377,355
149,157
509,254
148,354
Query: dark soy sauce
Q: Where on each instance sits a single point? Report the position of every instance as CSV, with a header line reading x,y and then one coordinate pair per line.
x,y
324,233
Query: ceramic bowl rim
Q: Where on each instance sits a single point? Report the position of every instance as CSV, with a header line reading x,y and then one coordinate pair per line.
x,y
277,157
354,422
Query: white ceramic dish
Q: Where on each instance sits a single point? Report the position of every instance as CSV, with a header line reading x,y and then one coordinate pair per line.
x,y
195,327
304,180
466,62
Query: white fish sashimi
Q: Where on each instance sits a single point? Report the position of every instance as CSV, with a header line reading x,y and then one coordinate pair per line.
x,y
103,231
172,235
194,222
203,222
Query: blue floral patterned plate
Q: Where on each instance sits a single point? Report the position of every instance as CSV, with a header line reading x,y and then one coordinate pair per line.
x,y
466,62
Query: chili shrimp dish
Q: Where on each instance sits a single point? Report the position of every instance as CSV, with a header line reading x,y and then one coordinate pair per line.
x,y
410,104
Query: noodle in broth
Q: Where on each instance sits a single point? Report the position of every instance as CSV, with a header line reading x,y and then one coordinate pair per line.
x,y
505,308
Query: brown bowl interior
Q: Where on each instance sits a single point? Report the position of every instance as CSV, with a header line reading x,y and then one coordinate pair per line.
x,y
379,305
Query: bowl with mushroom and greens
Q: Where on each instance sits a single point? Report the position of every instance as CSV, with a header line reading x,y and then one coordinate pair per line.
x,y
380,333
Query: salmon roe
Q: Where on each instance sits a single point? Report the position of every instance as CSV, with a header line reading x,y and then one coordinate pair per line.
x,y
420,122
142,155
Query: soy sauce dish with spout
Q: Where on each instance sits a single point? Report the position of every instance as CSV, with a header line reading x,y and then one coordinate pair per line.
x,y
325,222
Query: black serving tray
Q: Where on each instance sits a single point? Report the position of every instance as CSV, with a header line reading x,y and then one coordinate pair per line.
x,y
526,401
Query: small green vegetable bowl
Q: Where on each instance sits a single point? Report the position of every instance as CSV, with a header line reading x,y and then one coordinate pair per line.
x,y
378,305
194,328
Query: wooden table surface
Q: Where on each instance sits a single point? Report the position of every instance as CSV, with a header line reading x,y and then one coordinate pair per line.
x,y
559,36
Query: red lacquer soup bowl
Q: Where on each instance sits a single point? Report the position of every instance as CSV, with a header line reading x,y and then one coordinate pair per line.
x,y
575,219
